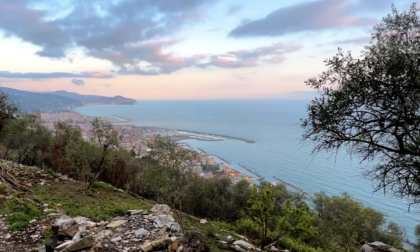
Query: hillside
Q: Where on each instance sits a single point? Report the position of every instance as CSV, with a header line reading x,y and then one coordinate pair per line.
x,y
95,99
109,219
40,102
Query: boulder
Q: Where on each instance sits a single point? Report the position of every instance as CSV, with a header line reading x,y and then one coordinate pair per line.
x,y
243,243
159,209
65,222
203,221
69,232
194,241
164,220
85,242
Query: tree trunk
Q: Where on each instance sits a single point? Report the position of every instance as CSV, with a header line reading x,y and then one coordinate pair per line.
x,y
98,173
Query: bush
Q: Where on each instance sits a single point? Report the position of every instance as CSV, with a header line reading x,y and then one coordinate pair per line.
x,y
295,246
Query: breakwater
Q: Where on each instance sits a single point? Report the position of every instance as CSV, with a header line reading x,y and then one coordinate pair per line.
x,y
251,171
310,195
217,135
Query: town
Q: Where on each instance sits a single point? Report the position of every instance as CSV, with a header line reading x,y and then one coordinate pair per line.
x,y
135,138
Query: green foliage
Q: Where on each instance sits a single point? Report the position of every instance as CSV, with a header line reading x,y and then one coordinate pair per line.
x,y
19,213
296,246
369,106
340,228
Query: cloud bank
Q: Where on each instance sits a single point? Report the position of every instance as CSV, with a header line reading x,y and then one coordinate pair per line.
x,y
310,16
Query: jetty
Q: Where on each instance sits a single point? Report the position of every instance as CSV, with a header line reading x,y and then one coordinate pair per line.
x,y
310,195
202,150
251,171
221,159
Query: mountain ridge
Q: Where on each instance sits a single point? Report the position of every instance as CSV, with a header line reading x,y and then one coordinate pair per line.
x,y
58,101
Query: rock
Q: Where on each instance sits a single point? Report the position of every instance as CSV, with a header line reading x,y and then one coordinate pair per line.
x,y
180,249
7,236
174,227
116,239
155,245
159,209
141,231
239,249
203,221
195,242
85,242
103,234
272,248
70,231
64,177
164,220
64,245
116,224
243,243
65,222
366,248
134,212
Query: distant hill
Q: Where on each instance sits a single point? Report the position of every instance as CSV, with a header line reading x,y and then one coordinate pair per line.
x,y
40,102
95,99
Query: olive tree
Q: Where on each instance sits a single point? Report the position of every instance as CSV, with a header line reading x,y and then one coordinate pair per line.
x,y
370,105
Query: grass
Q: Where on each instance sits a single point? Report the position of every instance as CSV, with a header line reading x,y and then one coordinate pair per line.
x,y
104,202
214,231
19,213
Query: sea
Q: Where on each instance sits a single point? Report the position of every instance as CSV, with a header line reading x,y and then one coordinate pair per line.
x,y
278,150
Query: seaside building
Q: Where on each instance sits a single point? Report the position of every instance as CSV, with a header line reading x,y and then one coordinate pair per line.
x,y
210,161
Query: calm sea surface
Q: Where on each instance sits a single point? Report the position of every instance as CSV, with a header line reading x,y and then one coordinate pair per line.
x,y
274,126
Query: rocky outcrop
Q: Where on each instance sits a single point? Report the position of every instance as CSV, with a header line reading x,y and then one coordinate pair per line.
x,y
379,247
138,230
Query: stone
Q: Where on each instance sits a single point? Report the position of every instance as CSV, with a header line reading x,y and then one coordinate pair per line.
x,y
64,177
116,224
141,231
180,249
155,245
164,220
85,242
64,245
272,248
134,212
243,243
116,239
203,221
8,236
194,241
159,209
70,231
103,234
239,249
65,222
366,248
174,227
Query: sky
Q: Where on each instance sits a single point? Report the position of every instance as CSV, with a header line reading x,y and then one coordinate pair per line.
x,y
180,49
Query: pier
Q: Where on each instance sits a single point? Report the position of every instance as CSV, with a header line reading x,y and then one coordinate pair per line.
x,y
251,171
310,195
227,162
